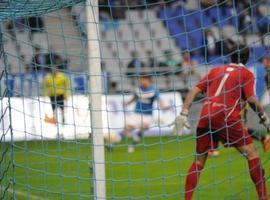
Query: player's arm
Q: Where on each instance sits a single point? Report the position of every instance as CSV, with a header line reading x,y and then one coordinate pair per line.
x,y
134,98
181,120
248,93
257,108
255,105
200,87
162,105
189,99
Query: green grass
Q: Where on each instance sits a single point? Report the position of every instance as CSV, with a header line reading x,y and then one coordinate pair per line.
x,y
156,170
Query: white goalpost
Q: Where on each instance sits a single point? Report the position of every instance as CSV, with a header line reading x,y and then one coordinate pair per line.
x,y
95,97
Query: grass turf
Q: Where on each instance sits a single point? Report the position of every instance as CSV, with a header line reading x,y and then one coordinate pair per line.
x,y
156,170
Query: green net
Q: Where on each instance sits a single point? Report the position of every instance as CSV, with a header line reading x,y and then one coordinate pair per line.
x,y
15,9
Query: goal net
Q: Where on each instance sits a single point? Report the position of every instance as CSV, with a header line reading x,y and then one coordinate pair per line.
x,y
90,89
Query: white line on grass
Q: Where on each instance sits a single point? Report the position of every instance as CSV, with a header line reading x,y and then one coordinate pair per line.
x,y
24,194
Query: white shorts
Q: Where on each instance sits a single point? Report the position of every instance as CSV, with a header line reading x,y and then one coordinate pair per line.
x,y
139,120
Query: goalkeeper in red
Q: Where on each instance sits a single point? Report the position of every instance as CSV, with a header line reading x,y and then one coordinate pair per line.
x,y
226,88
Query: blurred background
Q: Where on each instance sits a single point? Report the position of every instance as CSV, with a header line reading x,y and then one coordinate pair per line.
x,y
175,40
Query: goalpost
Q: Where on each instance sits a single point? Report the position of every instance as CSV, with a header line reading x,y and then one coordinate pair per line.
x,y
103,50
95,86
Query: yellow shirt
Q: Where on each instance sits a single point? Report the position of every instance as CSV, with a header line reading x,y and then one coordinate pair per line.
x,y
56,84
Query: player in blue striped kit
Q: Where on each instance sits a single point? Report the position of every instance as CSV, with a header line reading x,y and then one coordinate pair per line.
x,y
145,96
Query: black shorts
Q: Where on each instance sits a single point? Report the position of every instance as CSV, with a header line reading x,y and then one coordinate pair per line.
x,y
57,101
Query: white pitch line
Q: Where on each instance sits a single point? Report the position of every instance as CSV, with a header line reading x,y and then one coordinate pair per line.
x,y
24,194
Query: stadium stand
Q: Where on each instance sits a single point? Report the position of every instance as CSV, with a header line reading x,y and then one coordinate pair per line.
x,y
142,30
176,41
184,36
49,39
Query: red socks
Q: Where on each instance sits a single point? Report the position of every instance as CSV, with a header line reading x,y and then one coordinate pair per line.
x,y
192,180
257,175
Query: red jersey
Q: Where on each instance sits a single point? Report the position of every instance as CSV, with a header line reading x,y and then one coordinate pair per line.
x,y
225,88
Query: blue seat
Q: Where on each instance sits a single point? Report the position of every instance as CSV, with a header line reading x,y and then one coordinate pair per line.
x,y
187,27
257,53
206,20
80,84
213,13
174,27
196,37
165,14
226,17
199,59
217,60
182,41
262,21
193,20
178,11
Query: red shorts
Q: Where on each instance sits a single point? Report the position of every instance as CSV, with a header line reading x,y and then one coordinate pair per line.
x,y
235,135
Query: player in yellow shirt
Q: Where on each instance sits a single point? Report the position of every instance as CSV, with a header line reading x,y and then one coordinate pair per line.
x,y
57,87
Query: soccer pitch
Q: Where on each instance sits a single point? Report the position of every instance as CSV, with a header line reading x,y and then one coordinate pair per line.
x,y
156,170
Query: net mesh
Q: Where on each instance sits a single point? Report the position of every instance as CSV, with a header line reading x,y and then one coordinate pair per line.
x,y
46,143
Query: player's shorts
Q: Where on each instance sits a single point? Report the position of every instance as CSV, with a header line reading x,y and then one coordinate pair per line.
x,y
235,135
138,120
57,101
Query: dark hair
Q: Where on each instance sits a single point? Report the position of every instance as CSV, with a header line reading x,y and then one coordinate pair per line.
x,y
37,48
145,75
240,54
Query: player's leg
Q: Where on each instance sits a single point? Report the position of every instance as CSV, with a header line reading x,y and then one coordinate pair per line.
x,y
53,105
123,135
266,143
144,125
255,169
242,141
137,136
214,150
264,139
63,114
61,105
112,138
255,135
193,175
127,130
204,142
132,122
141,131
